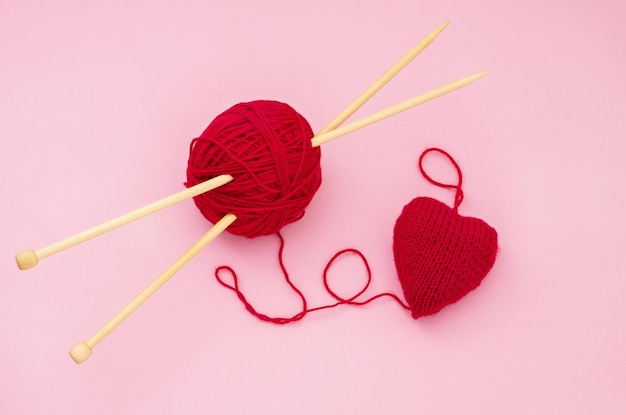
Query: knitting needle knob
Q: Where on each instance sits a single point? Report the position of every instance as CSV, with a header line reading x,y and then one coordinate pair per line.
x,y
80,352
26,259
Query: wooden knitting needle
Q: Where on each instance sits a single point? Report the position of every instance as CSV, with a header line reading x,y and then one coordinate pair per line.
x,y
382,81
323,138
82,350
28,259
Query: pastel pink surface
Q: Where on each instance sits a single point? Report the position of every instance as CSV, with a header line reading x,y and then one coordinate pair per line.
x,y
99,104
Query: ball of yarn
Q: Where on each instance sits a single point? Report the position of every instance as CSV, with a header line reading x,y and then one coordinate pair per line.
x,y
266,147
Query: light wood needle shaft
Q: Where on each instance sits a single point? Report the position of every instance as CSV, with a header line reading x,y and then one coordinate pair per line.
x,y
382,81
82,350
396,109
28,259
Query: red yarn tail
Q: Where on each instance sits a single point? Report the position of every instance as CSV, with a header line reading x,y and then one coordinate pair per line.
x,y
305,310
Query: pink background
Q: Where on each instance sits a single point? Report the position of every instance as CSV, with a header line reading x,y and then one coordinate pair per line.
x,y
99,101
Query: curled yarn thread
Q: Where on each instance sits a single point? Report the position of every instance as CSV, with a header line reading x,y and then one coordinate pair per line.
x,y
440,255
458,196
266,147
234,286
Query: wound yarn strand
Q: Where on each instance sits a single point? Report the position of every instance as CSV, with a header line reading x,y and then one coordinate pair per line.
x,y
266,147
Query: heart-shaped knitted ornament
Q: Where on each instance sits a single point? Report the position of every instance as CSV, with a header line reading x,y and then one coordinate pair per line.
x,y
440,255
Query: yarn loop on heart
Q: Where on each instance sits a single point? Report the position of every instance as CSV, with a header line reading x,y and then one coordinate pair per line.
x,y
458,197
266,147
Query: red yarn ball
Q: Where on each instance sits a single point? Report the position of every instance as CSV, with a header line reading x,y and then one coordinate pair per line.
x,y
266,147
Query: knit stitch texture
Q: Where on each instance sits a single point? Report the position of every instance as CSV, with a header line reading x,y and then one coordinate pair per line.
x,y
440,255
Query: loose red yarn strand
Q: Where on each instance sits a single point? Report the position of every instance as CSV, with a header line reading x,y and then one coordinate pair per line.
x,y
249,307
305,310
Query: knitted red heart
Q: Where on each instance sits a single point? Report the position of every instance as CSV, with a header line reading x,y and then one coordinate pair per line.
x,y
440,255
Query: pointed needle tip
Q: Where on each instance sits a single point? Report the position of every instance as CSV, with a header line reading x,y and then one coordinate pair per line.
x,y
442,26
478,75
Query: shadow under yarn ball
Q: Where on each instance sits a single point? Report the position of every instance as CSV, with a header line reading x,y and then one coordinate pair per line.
x,y
266,147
